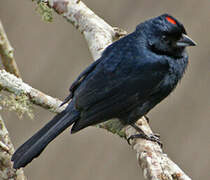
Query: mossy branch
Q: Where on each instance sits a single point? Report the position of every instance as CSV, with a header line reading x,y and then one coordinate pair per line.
x,y
6,151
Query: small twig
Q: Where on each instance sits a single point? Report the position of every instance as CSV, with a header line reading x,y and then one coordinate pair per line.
x,y
7,53
6,151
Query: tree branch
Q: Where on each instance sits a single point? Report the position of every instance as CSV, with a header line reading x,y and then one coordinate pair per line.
x,y
96,31
6,146
6,150
155,164
7,53
16,86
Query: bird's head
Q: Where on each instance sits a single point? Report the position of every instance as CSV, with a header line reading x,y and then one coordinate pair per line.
x,y
165,35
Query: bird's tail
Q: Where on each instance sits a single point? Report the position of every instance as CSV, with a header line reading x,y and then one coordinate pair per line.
x,y
37,143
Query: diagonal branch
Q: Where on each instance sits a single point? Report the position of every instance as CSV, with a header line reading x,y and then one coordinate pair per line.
x,y
7,53
155,164
6,150
6,146
96,31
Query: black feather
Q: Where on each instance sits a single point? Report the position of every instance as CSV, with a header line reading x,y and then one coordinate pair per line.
x,y
37,143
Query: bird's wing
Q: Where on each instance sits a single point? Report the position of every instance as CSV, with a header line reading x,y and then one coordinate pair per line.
x,y
106,88
79,80
115,86
109,53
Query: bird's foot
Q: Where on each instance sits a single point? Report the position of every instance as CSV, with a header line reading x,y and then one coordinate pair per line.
x,y
152,137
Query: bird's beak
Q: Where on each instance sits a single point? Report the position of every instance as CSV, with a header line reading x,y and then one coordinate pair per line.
x,y
185,41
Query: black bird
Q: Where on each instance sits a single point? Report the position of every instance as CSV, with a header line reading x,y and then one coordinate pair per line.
x,y
132,76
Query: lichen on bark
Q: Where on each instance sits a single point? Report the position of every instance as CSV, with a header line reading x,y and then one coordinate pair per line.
x,y
6,150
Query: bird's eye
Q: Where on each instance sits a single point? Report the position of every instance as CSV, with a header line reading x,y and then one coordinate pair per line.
x,y
165,38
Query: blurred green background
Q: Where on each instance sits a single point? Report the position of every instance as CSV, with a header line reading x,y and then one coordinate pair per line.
x,y
51,55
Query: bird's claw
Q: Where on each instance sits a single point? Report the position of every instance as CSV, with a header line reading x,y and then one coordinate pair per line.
x,y
155,138
157,135
147,118
152,137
